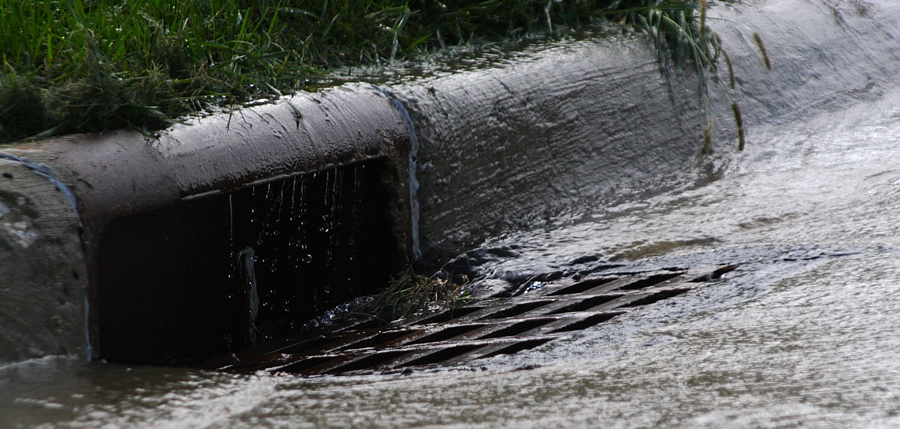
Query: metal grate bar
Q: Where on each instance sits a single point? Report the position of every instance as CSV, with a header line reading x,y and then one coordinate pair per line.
x,y
490,328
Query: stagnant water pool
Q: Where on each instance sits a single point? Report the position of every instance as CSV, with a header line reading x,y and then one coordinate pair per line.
x,y
803,333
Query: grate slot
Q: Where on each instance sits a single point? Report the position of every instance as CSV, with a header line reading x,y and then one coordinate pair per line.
x,y
369,361
444,354
376,340
586,304
583,286
651,280
518,328
306,363
447,333
251,363
308,345
517,309
658,296
448,315
475,331
519,346
589,321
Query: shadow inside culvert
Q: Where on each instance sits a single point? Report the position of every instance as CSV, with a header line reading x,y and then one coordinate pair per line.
x,y
181,283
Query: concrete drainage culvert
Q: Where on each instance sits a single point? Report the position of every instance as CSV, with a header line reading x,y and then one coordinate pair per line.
x,y
479,330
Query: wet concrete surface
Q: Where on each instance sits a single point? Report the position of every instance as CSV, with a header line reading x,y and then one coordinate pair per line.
x,y
502,324
804,333
567,127
123,178
41,266
538,139
508,147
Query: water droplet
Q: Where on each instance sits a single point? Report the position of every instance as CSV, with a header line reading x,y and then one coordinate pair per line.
x,y
307,258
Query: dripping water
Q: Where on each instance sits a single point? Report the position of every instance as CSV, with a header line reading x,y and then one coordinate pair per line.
x,y
250,288
306,249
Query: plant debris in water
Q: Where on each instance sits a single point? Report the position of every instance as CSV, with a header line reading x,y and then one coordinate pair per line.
x,y
91,65
413,294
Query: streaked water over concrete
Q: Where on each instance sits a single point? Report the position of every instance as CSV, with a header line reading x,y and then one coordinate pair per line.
x,y
804,333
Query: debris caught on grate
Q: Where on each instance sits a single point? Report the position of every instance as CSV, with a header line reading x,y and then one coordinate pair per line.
x,y
480,330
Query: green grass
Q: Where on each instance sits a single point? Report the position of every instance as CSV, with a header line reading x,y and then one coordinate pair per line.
x,y
91,65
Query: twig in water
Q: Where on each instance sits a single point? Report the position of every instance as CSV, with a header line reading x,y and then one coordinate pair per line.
x,y
727,62
707,139
740,124
762,50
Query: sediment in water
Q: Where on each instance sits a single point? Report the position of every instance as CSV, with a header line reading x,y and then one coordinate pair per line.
x,y
535,141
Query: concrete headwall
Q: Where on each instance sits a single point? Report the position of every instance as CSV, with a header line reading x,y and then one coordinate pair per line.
x,y
43,274
51,279
550,137
824,56
538,140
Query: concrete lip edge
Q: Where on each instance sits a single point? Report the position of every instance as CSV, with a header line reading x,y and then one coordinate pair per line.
x,y
122,173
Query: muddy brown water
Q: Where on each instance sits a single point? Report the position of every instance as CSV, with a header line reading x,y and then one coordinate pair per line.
x,y
804,333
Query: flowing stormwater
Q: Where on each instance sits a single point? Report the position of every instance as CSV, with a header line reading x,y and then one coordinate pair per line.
x,y
803,333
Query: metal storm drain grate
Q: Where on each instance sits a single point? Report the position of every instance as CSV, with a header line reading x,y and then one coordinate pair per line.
x,y
481,330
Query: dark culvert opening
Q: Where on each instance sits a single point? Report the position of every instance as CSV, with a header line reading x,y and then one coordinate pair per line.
x,y
175,284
